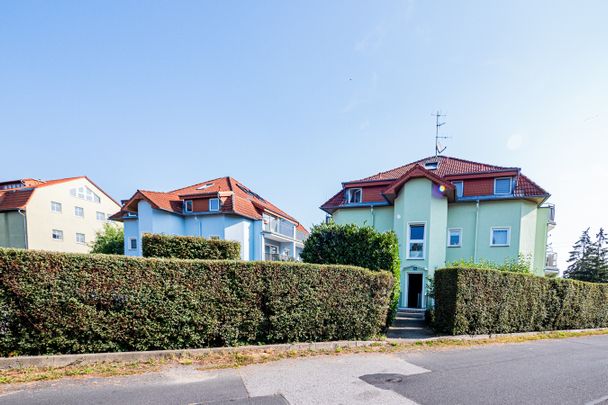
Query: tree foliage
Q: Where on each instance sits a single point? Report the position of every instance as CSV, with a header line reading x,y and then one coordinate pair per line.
x,y
588,259
110,240
354,245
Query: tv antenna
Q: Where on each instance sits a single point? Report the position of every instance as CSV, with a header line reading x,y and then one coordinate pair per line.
x,y
439,148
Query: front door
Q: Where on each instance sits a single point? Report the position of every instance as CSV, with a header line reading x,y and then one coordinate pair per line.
x,y
414,290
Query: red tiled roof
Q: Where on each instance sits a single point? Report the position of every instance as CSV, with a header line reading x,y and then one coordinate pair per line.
x,y
236,199
17,198
386,184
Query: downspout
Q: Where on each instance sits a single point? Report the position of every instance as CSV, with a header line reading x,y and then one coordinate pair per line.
x,y
476,231
22,213
373,216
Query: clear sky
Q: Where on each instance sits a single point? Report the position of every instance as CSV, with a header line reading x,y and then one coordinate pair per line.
x,y
293,98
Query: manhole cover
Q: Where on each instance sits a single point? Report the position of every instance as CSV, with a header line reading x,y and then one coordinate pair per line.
x,y
383,380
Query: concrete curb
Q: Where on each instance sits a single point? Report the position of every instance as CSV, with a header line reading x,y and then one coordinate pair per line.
x,y
62,360
494,336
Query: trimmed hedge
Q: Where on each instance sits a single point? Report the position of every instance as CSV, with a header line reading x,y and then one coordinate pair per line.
x,y
68,303
189,247
354,245
474,301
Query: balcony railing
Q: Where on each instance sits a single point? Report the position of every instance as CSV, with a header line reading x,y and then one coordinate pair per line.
x,y
551,260
273,257
279,225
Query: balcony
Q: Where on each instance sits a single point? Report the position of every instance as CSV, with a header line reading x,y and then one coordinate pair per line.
x,y
275,257
282,228
551,264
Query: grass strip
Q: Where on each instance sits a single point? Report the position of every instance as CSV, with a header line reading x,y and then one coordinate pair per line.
x,y
219,360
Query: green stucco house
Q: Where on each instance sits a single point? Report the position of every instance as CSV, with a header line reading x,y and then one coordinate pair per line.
x,y
445,209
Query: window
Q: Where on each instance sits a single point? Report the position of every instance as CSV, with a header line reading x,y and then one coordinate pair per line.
x,y
415,245
353,195
500,236
80,238
431,165
85,193
459,185
57,234
214,204
187,205
55,206
454,237
132,244
100,216
502,186
79,212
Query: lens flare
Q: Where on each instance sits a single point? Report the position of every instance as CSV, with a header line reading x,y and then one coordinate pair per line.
x,y
442,188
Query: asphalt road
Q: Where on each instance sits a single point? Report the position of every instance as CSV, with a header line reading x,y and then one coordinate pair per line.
x,y
568,371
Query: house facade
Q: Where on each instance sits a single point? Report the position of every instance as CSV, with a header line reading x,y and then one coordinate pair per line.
x,y
221,208
445,209
59,215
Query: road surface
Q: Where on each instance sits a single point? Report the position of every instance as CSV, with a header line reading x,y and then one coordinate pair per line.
x,y
568,371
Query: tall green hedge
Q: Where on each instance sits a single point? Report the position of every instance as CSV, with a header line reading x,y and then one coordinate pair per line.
x,y
189,247
68,303
474,301
354,245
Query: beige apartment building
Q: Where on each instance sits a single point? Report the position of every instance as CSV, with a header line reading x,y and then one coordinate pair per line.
x,y
59,215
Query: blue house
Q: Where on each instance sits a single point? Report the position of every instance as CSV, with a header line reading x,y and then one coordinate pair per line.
x,y
222,208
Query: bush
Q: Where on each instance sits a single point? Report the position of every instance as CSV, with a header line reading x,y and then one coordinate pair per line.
x,y
110,240
189,247
68,303
357,246
474,301
521,264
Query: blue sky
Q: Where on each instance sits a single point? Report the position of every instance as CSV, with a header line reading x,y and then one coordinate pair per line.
x,y
293,98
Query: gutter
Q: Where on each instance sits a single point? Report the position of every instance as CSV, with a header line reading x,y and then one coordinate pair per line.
x,y
22,213
476,231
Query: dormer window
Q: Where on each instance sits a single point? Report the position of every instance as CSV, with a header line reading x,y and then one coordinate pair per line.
x,y
503,186
353,195
431,165
214,204
459,186
187,205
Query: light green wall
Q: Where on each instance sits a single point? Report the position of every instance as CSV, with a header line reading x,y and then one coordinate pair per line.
x,y
542,221
380,218
462,215
498,214
12,230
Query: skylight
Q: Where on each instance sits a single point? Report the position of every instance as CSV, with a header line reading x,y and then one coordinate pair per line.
x,y
205,186
431,165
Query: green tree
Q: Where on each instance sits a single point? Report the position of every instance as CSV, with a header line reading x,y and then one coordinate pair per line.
x,y
599,258
581,261
110,240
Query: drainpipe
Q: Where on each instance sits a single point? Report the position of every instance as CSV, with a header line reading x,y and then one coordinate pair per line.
x,y
476,231
22,213
373,216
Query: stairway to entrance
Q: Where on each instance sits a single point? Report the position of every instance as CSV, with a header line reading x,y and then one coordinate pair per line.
x,y
409,324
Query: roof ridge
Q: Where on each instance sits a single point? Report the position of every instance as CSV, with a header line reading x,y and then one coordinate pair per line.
x,y
197,184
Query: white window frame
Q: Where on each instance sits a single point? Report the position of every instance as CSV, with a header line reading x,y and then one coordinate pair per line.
x,y
59,232
186,206
58,204
130,247
97,216
76,210
410,241
349,195
459,237
456,188
510,185
84,238
500,228
217,201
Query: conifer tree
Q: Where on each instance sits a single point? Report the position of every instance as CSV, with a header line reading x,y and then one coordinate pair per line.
x,y
579,262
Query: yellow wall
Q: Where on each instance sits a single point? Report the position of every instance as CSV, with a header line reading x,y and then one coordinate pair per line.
x,y
41,220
